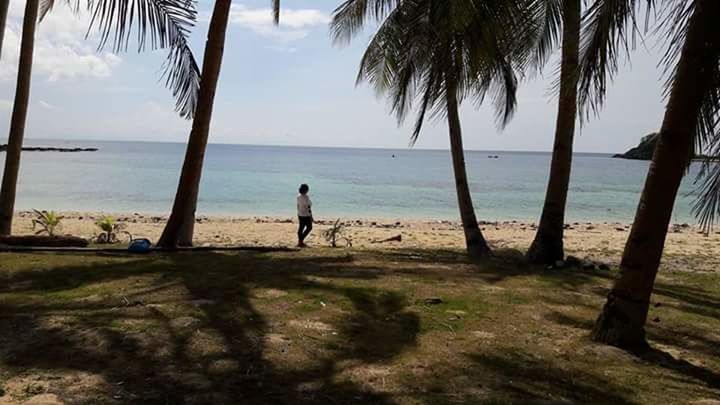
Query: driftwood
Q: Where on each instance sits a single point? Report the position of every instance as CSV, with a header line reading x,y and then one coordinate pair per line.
x,y
43,241
396,238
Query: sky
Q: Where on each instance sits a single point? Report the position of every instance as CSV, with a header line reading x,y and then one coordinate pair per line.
x,y
286,85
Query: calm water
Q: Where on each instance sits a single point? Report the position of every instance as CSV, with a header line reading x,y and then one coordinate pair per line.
x,y
262,180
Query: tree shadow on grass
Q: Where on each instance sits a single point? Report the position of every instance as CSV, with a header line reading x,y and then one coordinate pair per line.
x,y
506,263
160,362
656,356
692,300
194,332
526,378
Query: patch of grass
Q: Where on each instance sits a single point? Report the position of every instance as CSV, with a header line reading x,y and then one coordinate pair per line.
x,y
328,326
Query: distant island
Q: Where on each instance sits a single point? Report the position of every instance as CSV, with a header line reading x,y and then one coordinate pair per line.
x,y
644,151
3,148
646,148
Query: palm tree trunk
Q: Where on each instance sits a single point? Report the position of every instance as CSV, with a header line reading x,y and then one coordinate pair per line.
x,y
474,240
4,4
623,318
17,121
179,228
548,244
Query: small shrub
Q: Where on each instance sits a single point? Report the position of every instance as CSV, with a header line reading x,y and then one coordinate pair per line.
x,y
334,234
47,221
110,230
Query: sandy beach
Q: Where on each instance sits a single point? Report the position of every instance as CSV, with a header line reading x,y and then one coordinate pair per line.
x,y
687,249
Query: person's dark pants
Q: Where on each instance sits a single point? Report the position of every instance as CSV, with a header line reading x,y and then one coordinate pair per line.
x,y
304,228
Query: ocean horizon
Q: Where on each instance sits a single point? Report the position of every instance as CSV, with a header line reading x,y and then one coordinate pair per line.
x,y
255,180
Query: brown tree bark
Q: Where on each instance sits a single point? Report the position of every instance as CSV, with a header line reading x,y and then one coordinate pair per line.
x,y
623,318
4,5
179,228
547,247
474,240
19,116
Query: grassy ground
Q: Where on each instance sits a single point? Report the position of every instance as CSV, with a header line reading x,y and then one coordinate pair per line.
x,y
339,326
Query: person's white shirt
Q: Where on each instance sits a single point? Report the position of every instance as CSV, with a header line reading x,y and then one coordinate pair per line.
x,y
304,205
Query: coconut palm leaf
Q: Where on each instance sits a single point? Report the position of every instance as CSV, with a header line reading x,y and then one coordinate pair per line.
x,y
276,11
351,16
157,24
550,31
609,26
610,31
420,43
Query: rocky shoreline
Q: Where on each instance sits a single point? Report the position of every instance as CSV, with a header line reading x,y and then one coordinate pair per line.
x,y
3,148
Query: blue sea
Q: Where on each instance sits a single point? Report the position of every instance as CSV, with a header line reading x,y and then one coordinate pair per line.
x,y
243,180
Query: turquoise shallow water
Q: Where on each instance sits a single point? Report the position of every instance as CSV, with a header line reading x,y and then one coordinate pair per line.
x,y
263,180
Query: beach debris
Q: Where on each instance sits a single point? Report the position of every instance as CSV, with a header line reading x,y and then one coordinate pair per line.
x,y
334,234
589,266
433,301
573,261
396,238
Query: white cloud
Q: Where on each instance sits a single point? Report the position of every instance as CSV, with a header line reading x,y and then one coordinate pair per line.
x,y
61,51
295,24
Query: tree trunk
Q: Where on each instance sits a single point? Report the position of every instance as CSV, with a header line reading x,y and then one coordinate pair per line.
x,y
548,244
623,318
474,240
179,228
19,115
3,19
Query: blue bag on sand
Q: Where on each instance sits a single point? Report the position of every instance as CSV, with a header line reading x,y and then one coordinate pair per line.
x,y
140,246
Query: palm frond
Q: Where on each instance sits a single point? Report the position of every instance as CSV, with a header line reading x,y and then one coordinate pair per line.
x,y
276,11
550,31
158,24
421,44
707,127
610,31
351,16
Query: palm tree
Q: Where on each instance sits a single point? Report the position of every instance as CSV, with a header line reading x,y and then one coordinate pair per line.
x,y
690,123
443,52
17,120
4,5
547,247
164,23
179,228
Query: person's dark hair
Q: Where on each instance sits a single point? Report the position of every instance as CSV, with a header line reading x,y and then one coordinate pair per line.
x,y
304,188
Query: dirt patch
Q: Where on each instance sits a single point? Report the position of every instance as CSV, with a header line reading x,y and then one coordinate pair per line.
x,y
311,325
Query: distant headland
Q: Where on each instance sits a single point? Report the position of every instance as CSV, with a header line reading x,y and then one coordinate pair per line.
x,y
646,148
644,151
3,148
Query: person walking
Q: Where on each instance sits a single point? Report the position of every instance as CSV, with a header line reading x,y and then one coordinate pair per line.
x,y
305,218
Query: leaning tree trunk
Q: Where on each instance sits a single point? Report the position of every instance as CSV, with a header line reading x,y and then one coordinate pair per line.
x,y
3,19
19,115
548,244
474,240
179,228
622,321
